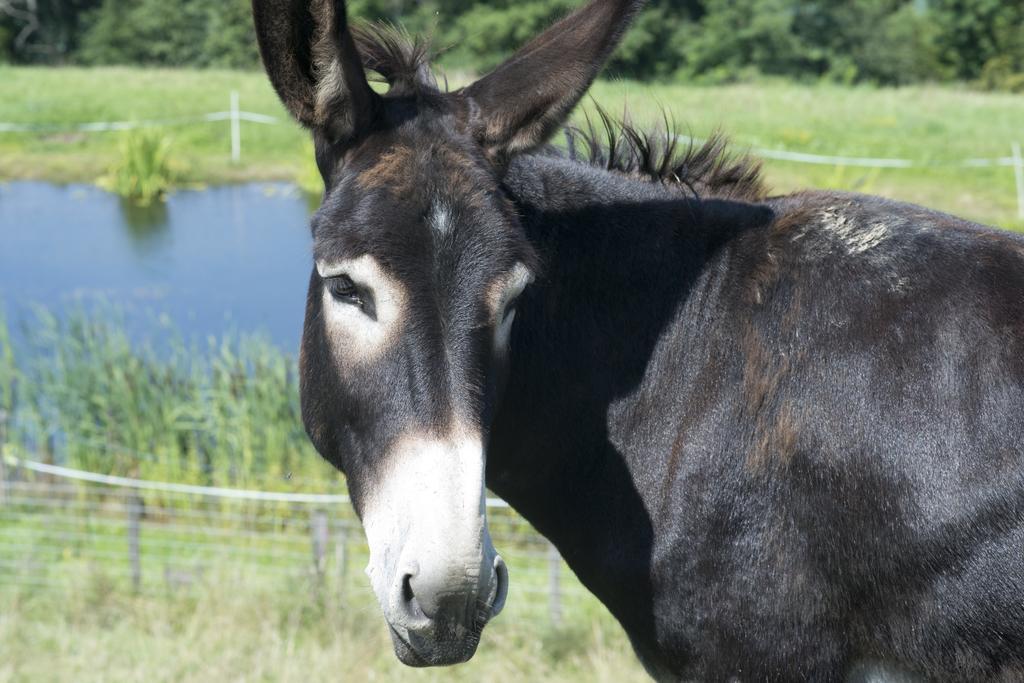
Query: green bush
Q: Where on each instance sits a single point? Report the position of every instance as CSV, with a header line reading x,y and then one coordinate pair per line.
x,y
486,34
1003,73
230,39
972,32
171,33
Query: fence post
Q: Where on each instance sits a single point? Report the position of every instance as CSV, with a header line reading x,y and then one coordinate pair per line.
x,y
554,585
341,557
3,465
318,529
1018,174
236,131
134,530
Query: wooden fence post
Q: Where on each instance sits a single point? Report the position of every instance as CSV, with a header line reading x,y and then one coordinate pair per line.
x,y
134,532
3,465
319,530
341,557
1018,175
554,585
236,132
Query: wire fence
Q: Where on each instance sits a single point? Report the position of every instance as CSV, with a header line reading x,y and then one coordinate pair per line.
x,y
235,115
60,526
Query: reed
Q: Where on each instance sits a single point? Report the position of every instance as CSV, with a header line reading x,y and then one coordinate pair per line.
x,y
222,412
145,170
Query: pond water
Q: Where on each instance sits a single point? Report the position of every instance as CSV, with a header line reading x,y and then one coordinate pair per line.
x,y
224,259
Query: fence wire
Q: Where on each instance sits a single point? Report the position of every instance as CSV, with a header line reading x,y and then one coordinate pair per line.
x,y
60,528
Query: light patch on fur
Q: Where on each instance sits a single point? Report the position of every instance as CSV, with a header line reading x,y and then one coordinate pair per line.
x,y
441,218
330,76
500,294
880,672
426,517
329,85
856,238
354,336
392,170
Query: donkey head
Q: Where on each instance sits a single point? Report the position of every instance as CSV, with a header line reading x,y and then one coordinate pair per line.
x,y
419,261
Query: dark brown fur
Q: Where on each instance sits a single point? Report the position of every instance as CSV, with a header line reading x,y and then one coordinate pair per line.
x,y
779,437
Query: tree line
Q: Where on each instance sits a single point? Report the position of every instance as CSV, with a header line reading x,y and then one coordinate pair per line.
x,y
887,42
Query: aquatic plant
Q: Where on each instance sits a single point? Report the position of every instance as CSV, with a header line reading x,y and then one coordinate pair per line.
x,y
144,171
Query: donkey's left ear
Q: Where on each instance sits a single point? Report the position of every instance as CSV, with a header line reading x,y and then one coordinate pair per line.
x,y
520,104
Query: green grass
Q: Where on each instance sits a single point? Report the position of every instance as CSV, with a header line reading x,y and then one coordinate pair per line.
x,y
923,123
234,627
74,95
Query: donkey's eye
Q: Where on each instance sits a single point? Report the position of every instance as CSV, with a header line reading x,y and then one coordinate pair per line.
x,y
343,289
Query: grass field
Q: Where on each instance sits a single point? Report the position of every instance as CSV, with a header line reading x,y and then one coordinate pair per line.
x,y
938,126
227,630
242,602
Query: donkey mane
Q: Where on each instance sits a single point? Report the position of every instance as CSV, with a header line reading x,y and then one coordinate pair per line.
x,y
401,59
660,155
710,169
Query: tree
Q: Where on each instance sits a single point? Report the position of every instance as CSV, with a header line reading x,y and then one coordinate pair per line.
x,y
230,36
41,30
973,32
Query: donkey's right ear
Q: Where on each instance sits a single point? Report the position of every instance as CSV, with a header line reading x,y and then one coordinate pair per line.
x,y
314,66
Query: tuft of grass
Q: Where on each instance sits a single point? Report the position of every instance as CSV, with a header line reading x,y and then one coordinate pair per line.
x,y
145,170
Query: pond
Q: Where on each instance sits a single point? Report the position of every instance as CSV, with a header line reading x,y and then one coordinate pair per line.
x,y
225,259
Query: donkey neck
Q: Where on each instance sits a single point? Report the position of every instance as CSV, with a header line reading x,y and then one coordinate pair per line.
x,y
623,261
620,259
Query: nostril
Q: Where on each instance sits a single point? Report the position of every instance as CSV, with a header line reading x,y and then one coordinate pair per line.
x,y
406,605
501,587
407,594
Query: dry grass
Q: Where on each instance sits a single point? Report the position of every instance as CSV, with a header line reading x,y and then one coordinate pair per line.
x,y
231,630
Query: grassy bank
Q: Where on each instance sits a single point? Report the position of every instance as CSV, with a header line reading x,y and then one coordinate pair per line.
x,y
935,125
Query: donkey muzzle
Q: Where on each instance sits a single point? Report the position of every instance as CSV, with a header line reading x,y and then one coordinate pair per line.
x,y
433,567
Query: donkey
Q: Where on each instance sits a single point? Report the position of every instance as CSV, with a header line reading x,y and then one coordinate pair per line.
x,y
779,437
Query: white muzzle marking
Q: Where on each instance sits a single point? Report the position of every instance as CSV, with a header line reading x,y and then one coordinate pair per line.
x,y
426,523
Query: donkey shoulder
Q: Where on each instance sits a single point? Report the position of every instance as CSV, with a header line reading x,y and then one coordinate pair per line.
x,y
860,246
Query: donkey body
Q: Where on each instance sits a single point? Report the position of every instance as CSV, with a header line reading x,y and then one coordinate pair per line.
x,y
780,438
